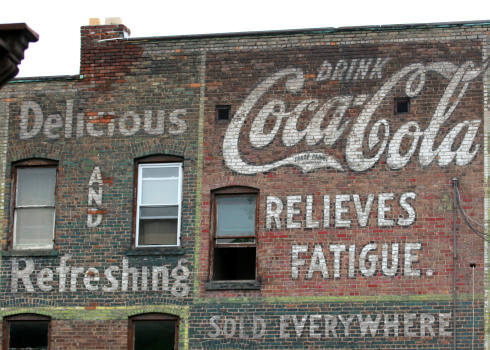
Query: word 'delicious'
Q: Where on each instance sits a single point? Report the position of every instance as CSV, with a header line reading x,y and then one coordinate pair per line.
x,y
96,124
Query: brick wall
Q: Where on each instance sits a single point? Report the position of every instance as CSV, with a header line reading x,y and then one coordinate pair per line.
x,y
355,201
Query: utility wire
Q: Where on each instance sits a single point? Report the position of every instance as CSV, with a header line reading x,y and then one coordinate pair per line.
x,y
469,217
482,235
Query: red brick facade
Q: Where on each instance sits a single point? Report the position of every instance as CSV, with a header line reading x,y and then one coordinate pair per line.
x,y
319,215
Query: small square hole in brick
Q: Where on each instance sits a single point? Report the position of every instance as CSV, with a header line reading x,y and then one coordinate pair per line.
x,y
223,112
402,105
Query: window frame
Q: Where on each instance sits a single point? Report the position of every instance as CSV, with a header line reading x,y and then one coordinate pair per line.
x,y
19,318
30,164
157,161
234,191
152,317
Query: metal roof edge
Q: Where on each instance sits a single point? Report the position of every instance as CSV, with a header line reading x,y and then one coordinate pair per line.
x,y
44,78
313,30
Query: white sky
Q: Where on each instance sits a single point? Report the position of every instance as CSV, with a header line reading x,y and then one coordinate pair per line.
x,y
58,22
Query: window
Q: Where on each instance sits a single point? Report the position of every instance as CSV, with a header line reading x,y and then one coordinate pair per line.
x,y
153,332
223,112
234,241
34,208
159,197
402,105
26,331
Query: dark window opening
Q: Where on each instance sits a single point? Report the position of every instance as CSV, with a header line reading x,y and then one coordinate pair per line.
x,y
26,331
32,335
402,105
234,263
154,335
223,112
153,332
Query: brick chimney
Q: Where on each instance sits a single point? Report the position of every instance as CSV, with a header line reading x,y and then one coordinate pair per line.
x,y
105,56
95,32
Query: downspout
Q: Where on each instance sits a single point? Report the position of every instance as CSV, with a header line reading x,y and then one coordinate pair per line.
x,y
455,255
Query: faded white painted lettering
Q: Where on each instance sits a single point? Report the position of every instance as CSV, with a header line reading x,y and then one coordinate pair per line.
x,y
96,124
243,327
377,139
95,188
396,258
129,278
303,212
318,326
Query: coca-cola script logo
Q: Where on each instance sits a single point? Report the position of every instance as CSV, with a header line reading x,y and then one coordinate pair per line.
x,y
378,136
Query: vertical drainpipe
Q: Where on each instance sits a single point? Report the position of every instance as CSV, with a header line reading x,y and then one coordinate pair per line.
x,y
486,178
455,255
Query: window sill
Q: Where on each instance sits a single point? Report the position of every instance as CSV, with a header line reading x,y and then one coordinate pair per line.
x,y
232,285
31,252
155,251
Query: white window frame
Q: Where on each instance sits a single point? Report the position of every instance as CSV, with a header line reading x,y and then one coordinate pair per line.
x,y
17,207
142,166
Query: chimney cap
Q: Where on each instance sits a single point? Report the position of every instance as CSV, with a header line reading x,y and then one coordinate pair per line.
x,y
108,21
113,20
94,21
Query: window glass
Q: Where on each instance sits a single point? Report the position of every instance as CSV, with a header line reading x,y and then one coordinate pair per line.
x,y
34,226
155,212
158,172
159,204
160,191
35,186
236,216
34,212
158,232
